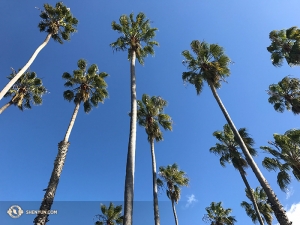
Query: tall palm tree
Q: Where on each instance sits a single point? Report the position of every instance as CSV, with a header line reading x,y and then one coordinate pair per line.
x,y
285,44
90,90
228,150
286,152
137,39
28,89
110,215
211,65
217,215
174,180
262,203
150,115
59,23
285,94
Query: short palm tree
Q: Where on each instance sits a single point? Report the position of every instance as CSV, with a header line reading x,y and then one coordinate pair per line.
x,y
28,89
137,40
90,90
228,150
285,94
262,203
150,115
286,156
217,215
285,45
211,65
174,180
59,23
110,216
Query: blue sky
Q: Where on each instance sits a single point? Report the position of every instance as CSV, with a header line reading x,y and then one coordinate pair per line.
x,y
94,171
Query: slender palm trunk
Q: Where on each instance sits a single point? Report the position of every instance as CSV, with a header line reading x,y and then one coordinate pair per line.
x,y
129,178
20,73
42,217
174,212
155,198
275,204
6,106
242,172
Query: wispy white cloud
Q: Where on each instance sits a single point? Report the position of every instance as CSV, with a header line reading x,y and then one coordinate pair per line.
x,y
293,213
191,199
289,192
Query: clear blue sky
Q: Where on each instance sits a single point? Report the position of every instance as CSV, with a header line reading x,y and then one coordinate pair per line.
x,y
94,171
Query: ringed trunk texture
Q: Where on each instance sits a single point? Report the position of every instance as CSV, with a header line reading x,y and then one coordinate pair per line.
x,y
174,212
155,198
20,73
5,106
273,200
42,218
130,164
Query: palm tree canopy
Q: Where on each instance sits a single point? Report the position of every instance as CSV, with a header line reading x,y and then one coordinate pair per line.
x,y
217,215
285,94
150,115
135,33
210,64
262,204
110,215
58,21
90,85
285,44
28,89
286,155
228,147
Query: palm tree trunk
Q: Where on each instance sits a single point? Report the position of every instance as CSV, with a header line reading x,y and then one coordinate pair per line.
x,y
130,164
155,198
20,73
42,217
174,212
275,204
242,172
6,106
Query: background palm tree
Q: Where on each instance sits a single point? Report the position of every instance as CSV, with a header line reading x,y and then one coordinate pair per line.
x,y
59,23
285,94
134,35
211,65
217,215
110,215
228,150
91,89
174,180
285,44
263,205
150,115
286,152
28,89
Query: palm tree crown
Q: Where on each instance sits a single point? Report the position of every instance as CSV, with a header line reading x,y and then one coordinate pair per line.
x,y
286,152
110,215
210,64
217,215
285,45
91,86
285,94
134,34
262,203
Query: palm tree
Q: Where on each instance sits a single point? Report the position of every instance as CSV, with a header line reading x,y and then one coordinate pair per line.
x,y
28,89
174,180
217,215
286,152
286,94
91,89
262,203
134,34
150,115
228,150
285,44
59,23
211,65
111,215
